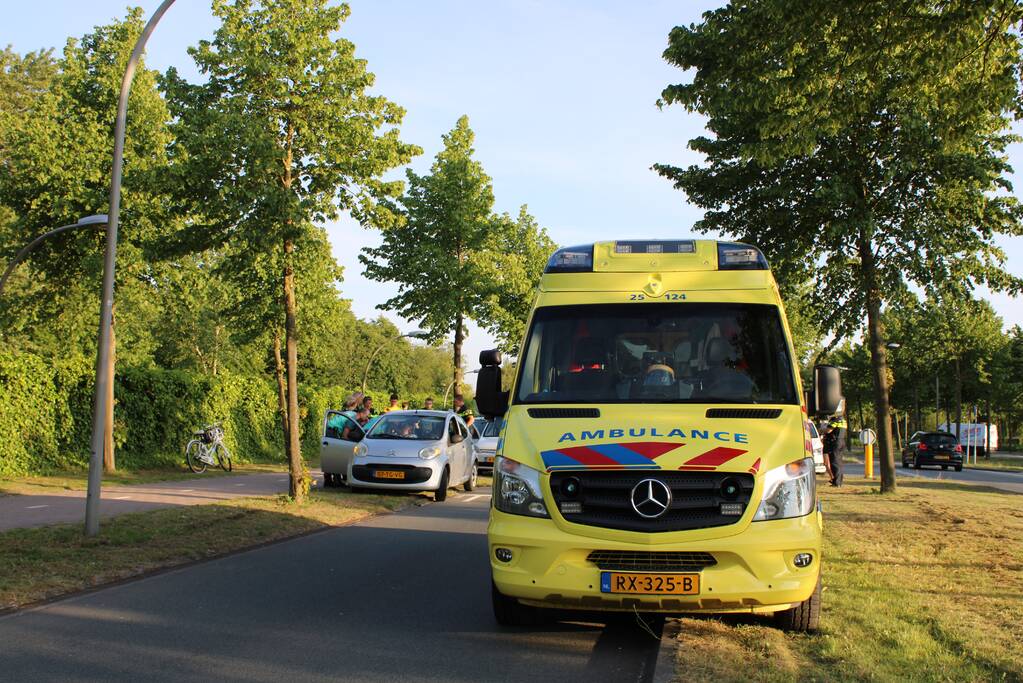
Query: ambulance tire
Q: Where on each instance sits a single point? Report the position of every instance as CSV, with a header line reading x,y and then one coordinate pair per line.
x,y
510,612
804,617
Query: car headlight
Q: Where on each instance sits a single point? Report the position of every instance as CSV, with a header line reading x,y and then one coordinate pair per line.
x,y
429,452
517,489
360,449
789,491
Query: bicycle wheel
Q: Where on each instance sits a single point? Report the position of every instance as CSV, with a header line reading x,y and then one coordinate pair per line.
x,y
192,452
224,457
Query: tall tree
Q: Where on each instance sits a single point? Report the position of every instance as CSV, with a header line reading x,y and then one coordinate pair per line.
x,y
429,254
281,136
509,268
860,144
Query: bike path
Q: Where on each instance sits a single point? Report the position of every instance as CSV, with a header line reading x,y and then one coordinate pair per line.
x,y
62,506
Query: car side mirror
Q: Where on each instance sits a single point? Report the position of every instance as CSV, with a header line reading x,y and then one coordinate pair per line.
x,y
491,401
827,390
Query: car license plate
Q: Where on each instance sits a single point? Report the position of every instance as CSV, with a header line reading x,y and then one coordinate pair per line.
x,y
941,457
390,474
488,458
657,584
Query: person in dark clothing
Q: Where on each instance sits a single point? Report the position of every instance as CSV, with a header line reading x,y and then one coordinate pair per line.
x,y
834,447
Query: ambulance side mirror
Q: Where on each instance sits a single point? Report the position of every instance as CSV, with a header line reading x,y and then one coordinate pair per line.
x,y
827,390
491,401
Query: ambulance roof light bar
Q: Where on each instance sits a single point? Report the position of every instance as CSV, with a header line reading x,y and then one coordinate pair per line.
x,y
738,256
571,260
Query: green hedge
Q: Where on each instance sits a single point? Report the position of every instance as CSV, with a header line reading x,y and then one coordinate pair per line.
x,y
46,414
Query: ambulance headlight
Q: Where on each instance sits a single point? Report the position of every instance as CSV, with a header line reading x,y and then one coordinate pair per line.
x,y
789,491
517,489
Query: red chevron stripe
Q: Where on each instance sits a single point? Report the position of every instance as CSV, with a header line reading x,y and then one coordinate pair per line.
x,y
756,467
587,456
651,449
716,456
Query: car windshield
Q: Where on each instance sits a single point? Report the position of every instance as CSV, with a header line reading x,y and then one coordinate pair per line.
x,y
411,427
493,428
656,353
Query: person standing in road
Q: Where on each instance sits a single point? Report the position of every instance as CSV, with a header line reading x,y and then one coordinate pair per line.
x,y
834,447
463,410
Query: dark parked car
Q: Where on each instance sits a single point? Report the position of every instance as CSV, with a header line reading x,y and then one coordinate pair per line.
x,y
937,449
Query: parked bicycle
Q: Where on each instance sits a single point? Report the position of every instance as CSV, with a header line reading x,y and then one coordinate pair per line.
x,y
208,449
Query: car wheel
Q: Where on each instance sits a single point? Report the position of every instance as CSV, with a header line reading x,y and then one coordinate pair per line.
x,y
904,464
328,480
804,617
470,483
916,465
441,494
959,468
510,612
944,467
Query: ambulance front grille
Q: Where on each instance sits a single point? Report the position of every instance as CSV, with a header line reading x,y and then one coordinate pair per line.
x,y
601,498
641,561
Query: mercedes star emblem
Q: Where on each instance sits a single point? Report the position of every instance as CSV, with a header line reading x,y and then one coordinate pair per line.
x,y
650,498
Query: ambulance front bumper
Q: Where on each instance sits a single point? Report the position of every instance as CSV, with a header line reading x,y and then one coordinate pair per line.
x,y
754,570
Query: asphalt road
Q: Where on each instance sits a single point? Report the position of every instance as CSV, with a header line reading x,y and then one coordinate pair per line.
x,y
64,506
1005,481
402,597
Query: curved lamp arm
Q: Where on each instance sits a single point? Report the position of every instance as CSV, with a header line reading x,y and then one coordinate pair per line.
x,y
96,221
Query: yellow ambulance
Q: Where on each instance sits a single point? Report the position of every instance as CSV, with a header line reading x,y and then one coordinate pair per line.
x,y
655,456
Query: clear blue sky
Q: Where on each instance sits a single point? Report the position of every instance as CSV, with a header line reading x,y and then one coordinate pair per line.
x,y
560,94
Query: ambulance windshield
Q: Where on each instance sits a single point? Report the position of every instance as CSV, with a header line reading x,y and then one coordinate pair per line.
x,y
656,353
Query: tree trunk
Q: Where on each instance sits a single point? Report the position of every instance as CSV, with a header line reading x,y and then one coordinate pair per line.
x,y
298,484
879,368
459,338
282,394
958,396
109,460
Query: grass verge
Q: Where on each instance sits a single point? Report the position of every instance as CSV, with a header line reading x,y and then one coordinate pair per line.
x,y
41,563
78,480
921,586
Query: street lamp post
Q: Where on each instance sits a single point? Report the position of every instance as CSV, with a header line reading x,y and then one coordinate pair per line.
x,y
94,221
451,384
109,265
417,334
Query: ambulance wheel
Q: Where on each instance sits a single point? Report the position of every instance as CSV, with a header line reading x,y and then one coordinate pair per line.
x,y
510,612
804,617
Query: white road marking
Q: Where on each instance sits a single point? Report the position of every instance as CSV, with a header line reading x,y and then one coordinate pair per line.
x,y
121,497
36,507
239,484
472,498
186,490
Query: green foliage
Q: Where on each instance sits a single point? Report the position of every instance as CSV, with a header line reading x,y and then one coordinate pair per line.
x,y
447,220
452,258
508,270
839,132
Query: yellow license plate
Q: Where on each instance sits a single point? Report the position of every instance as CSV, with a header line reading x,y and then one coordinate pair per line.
x,y
649,584
390,474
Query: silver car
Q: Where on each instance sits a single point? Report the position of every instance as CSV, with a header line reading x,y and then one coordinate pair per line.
x,y
486,445
415,450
